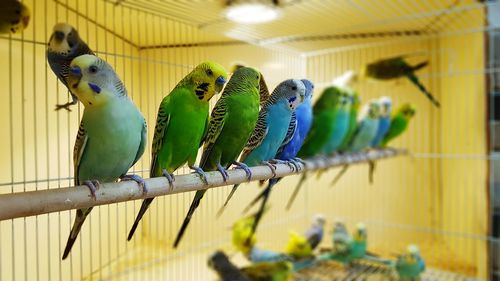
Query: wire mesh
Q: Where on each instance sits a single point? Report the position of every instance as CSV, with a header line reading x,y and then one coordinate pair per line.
x,y
437,198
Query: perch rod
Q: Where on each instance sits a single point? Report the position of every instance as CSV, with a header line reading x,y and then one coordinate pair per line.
x,y
24,204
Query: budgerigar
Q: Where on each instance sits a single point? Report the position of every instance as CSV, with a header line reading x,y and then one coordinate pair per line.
x,y
383,127
399,123
341,122
233,120
346,248
261,271
409,266
112,134
273,126
298,130
298,246
14,16
315,233
397,67
181,125
353,122
64,45
365,132
320,132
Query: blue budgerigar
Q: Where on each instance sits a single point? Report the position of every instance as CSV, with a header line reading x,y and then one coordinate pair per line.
x,y
384,123
112,134
299,126
64,45
273,126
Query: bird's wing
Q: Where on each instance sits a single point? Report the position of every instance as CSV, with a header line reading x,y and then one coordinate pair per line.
x,y
162,122
144,141
258,135
215,125
79,150
292,128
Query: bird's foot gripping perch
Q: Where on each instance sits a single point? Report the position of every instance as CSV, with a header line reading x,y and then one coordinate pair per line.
x,y
140,181
93,185
245,168
170,178
299,162
223,172
68,104
200,172
271,167
286,162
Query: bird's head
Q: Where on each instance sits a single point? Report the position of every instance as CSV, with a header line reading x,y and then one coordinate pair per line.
x,y
374,110
244,78
94,81
407,110
64,39
361,234
208,79
309,89
22,16
291,92
319,220
385,106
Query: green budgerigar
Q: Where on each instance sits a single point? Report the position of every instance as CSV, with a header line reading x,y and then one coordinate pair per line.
x,y
346,248
14,16
112,134
409,266
399,123
397,67
231,124
181,125
353,121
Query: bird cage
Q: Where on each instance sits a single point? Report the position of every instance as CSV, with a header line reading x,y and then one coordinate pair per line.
x,y
436,191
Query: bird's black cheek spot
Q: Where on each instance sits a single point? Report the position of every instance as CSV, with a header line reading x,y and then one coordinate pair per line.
x,y
90,103
75,85
18,12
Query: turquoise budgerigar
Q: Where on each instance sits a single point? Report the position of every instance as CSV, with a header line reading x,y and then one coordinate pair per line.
x,y
181,125
233,120
397,67
273,126
409,266
340,123
112,134
347,248
298,129
14,16
64,45
365,132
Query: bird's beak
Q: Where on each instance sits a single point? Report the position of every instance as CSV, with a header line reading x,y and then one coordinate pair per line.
x,y
220,81
26,21
76,72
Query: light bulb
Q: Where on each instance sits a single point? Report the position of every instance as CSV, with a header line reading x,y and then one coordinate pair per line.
x,y
251,13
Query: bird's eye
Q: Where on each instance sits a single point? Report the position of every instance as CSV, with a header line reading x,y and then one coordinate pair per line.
x,y
257,77
93,69
294,88
209,72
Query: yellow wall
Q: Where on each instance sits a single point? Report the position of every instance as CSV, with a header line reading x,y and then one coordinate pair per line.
x,y
435,199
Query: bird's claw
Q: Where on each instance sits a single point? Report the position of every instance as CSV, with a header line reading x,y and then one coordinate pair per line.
x,y
245,168
271,167
170,178
201,173
93,185
223,172
139,180
286,162
64,106
296,165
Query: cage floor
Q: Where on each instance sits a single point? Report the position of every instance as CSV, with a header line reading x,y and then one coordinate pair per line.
x,y
366,270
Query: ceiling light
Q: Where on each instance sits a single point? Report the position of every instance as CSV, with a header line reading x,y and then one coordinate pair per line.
x,y
252,12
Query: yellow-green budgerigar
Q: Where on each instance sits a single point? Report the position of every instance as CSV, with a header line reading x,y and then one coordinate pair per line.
x,y
181,125
399,123
298,246
243,237
14,16
112,134
232,121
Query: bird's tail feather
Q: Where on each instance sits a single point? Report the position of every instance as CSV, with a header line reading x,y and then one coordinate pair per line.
x,y
258,197
295,192
142,211
221,210
419,66
414,79
339,175
371,170
196,202
81,215
262,209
